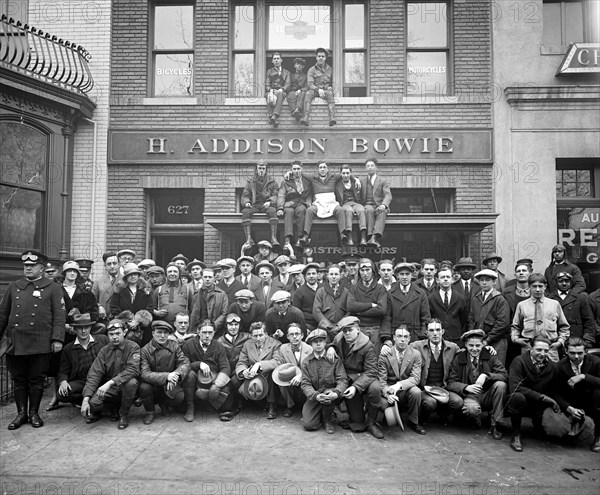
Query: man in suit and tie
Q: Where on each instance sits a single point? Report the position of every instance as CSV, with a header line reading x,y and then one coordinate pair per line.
x,y
195,268
578,391
427,282
268,286
212,304
376,197
294,352
437,354
449,307
282,315
348,195
466,285
293,198
283,263
104,287
408,305
399,373
258,356
248,279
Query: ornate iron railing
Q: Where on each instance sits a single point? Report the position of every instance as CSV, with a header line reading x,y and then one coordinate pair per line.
x,y
44,56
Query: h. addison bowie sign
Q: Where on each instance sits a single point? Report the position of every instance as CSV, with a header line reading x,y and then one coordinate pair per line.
x,y
235,146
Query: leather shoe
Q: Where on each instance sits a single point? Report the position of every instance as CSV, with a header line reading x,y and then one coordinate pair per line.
x,y
288,413
329,428
332,123
189,414
53,405
596,445
148,418
304,240
114,415
515,443
92,418
35,420
417,428
19,421
123,422
496,433
271,414
304,123
373,241
349,241
375,431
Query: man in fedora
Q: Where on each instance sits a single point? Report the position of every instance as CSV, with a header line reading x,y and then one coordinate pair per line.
x,y
247,309
407,305
359,358
259,196
304,296
210,370
293,198
437,354
491,262
399,373
268,286
292,354
323,383
560,263
532,388
466,285
113,377
320,84
212,303
258,357
449,306
164,372
490,312
480,379
297,90
76,359
32,315
282,315
180,260
578,380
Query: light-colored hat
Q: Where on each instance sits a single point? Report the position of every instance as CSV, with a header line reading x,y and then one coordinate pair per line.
x,y
130,269
310,265
264,263
476,332
440,394
147,263
244,294
281,295
265,244
404,266
296,269
227,263
71,265
486,272
317,333
281,259
392,416
126,251
256,388
283,374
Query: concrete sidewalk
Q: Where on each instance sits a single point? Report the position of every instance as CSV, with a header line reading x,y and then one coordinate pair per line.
x,y
252,455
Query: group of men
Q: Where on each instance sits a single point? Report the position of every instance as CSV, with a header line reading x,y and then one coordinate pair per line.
x,y
347,343
303,196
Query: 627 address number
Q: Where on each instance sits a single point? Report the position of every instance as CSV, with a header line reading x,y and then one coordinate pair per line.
x,y
178,209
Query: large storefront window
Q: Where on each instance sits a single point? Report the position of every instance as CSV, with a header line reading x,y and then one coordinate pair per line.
x,y
173,50
260,29
23,164
427,48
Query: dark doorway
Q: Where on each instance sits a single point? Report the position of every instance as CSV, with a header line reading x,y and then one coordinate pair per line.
x,y
164,247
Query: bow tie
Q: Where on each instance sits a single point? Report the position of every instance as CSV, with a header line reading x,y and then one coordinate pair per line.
x,y
296,348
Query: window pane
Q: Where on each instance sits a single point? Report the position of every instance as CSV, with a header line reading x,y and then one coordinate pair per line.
x,y
558,176
354,26
426,72
569,189
22,155
173,75
354,68
244,74
551,19
427,24
173,27
20,218
243,38
299,27
569,175
574,21
583,176
559,189
583,190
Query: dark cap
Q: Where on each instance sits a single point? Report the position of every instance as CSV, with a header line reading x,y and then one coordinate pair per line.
x,y
299,60
84,263
162,325
472,333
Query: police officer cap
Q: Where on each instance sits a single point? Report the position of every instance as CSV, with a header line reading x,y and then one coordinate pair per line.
x,y
33,257
84,263
162,325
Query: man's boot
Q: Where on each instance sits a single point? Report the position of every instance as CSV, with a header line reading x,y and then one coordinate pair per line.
x,y
271,412
348,236
248,234
371,420
189,403
21,403
515,441
326,413
274,240
332,121
35,398
363,238
304,119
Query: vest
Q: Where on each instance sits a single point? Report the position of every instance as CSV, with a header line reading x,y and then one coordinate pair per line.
x,y
435,377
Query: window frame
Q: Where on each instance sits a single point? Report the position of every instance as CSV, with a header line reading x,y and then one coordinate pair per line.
x,y
152,52
449,50
588,14
591,164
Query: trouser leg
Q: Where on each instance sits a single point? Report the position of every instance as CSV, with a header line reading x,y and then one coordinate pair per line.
x,y
494,399
311,415
311,211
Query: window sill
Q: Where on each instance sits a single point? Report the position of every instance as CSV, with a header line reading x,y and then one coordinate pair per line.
x,y
430,100
170,101
553,49
259,102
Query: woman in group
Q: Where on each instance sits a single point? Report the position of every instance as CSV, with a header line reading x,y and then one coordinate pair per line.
x,y
132,293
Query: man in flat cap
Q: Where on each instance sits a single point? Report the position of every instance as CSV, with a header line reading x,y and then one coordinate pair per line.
x,y
481,380
247,309
211,304
104,288
304,296
164,372
113,377
32,315
294,197
229,284
560,263
492,261
323,383
297,90
490,312
283,263
320,84
576,308
156,276
268,286
539,316
259,196
359,358
279,317
125,256
249,280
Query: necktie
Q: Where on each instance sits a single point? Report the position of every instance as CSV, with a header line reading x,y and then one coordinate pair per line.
x,y
467,288
373,181
299,187
427,285
475,363
538,312
266,291
436,352
562,295
446,301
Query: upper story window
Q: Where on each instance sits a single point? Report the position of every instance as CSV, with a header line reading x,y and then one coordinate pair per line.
x,y
172,50
570,21
427,48
259,29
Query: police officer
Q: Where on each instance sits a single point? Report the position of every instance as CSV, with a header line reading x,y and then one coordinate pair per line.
x,y
32,313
